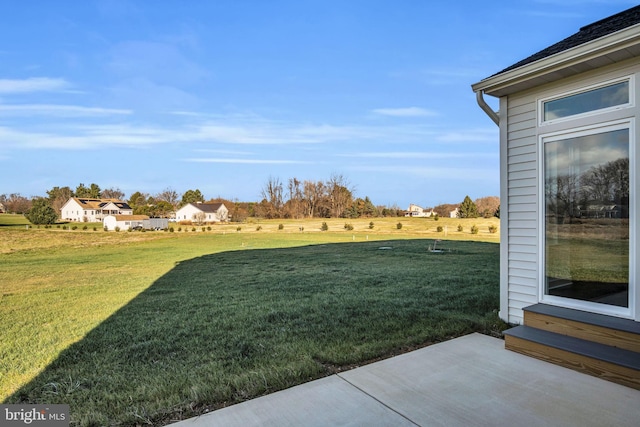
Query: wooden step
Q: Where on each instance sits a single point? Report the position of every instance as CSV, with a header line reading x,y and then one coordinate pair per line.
x,y
608,330
610,363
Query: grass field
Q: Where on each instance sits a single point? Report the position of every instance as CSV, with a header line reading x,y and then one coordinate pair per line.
x,y
146,328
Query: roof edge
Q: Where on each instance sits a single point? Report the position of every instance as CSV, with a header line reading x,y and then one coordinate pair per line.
x,y
498,85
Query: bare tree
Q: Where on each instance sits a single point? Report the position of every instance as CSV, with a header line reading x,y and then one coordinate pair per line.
x,y
295,204
313,192
169,195
112,193
272,193
17,204
487,206
339,194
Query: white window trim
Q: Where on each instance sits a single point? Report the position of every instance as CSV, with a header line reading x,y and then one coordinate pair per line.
x,y
631,79
630,312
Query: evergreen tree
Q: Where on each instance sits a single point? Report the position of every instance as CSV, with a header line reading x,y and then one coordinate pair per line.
x,y
41,212
468,209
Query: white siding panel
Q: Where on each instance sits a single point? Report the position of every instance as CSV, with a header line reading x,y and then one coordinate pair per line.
x,y
523,149
519,301
528,182
524,273
516,247
522,281
526,174
523,265
523,256
524,290
521,125
522,206
515,224
521,232
529,158
524,141
519,167
525,216
522,191
523,199
527,134
516,207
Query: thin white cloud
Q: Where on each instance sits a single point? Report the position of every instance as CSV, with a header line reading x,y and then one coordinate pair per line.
x,y
420,155
58,110
245,161
33,84
405,112
470,135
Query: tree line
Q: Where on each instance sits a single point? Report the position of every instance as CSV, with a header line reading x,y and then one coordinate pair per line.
x,y
296,199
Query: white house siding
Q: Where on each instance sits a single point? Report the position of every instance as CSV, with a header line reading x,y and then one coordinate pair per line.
x,y
521,207
522,157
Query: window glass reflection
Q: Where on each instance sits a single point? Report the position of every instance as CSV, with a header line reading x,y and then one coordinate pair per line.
x,y
587,217
597,99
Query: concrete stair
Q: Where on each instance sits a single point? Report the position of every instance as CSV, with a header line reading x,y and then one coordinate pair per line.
x,y
603,346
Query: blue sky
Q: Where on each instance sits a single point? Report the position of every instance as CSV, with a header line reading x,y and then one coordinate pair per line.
x,y
224,95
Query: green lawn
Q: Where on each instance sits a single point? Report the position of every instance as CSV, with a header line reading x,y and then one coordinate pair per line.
x,y
134,328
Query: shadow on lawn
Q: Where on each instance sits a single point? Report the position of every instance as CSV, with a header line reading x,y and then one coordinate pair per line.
x,y
226,327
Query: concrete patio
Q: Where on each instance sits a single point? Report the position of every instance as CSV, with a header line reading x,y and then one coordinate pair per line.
x,y
468,381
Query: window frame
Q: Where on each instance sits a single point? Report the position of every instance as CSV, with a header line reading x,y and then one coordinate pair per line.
x,y
570,132
584,89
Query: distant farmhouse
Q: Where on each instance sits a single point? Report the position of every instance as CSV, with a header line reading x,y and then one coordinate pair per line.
x,y
79,209
203,212
418,212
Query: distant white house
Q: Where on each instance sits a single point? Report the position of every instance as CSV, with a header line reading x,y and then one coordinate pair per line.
x,y
417,211
454,213
125,222
203,212
80,209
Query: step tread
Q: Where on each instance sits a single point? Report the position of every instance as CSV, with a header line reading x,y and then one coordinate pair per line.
x,y
610,322
605,353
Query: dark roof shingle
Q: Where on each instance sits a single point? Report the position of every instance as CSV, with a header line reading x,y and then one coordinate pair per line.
x,y
586,34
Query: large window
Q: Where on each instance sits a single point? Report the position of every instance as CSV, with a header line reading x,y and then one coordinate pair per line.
x,y
586,179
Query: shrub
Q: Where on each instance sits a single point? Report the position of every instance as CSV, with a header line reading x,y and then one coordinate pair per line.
x,y
474,229
324,226
440,229
205,229
85,228
239,228
280,226
371,225
460,228
348,226
436,218
399,226
179,229
171,230
208,228
117,228
493,229
75,227
258,228
95,228
193,229
64,227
